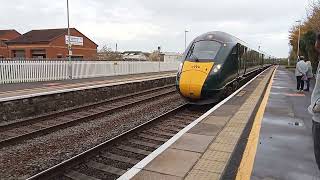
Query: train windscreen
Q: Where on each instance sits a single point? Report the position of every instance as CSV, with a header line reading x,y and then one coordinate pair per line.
x,y
203,51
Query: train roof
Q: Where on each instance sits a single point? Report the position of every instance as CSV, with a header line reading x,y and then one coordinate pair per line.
x,y
223,37
219,36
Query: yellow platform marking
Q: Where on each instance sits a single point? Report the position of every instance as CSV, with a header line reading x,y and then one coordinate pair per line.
x,y
193,77
246,165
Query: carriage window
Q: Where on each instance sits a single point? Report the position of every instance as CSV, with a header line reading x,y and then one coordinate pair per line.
x,y
204,51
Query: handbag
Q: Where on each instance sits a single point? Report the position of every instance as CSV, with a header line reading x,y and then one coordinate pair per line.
x,y
304,78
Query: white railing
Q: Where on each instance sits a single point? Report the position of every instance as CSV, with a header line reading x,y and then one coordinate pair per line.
x,y
33,71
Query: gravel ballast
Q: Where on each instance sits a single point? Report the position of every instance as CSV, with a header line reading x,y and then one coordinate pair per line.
x,y
28,158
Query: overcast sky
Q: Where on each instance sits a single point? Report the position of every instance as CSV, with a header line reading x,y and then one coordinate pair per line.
x,y
146,24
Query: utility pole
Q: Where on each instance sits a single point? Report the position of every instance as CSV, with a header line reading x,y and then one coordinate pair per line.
x,y
69,44
298,49
159,51
185,39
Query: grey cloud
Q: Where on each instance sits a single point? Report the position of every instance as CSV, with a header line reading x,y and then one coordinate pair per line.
x,y
258,22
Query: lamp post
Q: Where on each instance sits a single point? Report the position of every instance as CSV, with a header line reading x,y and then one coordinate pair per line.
x,y
298,49
185,39
69,43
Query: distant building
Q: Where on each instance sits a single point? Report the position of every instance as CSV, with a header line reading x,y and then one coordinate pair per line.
x,y
171,56
6,35
52,43
134,56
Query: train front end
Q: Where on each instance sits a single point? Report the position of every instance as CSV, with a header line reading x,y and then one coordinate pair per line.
x,y
198,75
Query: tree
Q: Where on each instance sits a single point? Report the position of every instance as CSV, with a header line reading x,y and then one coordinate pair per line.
x,y
309,27
107,54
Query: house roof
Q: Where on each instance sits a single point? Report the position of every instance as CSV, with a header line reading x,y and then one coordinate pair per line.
x,y
5,31
41,36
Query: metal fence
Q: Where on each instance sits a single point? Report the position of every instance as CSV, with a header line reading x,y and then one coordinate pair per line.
x,y
33,71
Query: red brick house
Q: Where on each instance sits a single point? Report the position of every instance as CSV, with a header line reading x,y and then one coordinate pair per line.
x,y
51,43
6,35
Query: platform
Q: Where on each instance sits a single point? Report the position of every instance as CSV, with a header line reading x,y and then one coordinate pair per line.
x,y
222,144
285,149
26,90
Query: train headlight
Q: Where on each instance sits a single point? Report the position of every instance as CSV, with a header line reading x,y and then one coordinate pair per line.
x,y
216,68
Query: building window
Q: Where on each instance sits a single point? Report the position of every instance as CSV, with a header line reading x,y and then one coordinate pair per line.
x,y
38,53
19,53
2,43
76,57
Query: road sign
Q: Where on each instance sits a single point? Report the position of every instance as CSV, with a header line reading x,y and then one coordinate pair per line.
x,y
74,40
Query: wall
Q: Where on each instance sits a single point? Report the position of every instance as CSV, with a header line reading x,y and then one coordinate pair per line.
x,y
36,106
88,50
4,51
58,46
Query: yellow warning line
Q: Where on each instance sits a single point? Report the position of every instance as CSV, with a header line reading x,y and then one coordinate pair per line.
x,y
246,165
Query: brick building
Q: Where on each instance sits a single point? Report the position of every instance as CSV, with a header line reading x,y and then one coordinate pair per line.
x,y
6,35
51,43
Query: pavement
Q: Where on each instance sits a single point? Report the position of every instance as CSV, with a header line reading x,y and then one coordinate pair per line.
x,y
285,149
14,91
205,148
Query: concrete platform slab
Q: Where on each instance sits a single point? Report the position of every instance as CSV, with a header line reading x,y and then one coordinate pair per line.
x,y
202,175
148,175
221,147
205,129
210,166
173,162
227,110
216,120
193,142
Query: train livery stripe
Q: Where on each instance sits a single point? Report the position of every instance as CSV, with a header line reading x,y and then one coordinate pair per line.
x,y
193,77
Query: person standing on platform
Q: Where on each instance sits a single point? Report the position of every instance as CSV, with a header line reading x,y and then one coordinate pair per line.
x,y
314,109
301,70
309,74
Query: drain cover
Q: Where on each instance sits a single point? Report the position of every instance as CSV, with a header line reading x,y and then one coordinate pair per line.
x,y
295,124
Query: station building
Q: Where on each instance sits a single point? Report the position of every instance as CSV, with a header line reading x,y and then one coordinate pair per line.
x,y
6,35
52,43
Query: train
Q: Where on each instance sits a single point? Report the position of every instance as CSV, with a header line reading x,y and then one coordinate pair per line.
x,y
213,66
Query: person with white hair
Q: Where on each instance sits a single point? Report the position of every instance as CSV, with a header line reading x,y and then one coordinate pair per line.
x,y
309,75
301,71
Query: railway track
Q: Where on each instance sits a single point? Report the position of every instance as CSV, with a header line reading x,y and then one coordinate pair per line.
x,y
14,133
112,158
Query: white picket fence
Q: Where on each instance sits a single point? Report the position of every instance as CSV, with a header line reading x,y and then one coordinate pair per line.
x,y
33,71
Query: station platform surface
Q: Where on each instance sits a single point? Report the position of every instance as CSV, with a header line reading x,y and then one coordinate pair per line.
x,y
285,149
225,143
25,90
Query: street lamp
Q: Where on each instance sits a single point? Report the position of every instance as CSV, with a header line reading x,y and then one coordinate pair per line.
x,y
185,39
69,43
298,49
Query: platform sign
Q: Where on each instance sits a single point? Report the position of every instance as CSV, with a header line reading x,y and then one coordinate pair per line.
x,y
74,40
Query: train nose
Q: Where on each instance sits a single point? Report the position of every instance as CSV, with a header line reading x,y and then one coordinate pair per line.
x,y
191,83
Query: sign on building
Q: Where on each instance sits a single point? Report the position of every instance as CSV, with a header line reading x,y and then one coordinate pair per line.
x,y
74,40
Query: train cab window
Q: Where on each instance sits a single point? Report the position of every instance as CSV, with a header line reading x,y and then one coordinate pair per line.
x,y
204,51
